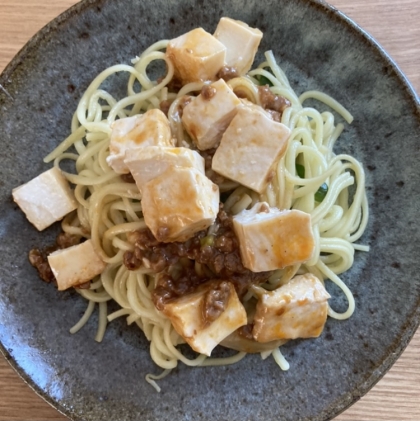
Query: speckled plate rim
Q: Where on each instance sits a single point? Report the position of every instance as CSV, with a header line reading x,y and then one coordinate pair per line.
x,y
413,321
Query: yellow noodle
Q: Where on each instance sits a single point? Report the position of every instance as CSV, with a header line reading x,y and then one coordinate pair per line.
x,y
102,322
331,102
88,312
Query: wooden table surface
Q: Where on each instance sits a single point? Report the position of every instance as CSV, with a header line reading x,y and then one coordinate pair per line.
x,y
396,27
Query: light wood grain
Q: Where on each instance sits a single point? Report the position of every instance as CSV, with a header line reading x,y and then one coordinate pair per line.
x,y
396,26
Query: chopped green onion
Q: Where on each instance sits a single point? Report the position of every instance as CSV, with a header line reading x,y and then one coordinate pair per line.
x,y
300,169
262,80
321,193
207,241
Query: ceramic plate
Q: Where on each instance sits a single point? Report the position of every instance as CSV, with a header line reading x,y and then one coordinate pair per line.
x,y
319,49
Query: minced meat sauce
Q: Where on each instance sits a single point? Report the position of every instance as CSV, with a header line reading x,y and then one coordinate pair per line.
x,y
273,104
216,254
227,73
212,175
208,92
38,257
215,301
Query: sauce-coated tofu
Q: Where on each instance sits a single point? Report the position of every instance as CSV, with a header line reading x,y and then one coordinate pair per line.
x,y
196,55
241,42
75,265
295,310
186,315
139,131
206,118
179,203
150,162
271,239
45,199
250,147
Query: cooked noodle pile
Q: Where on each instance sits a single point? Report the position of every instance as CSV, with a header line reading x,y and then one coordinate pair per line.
x,y
109,208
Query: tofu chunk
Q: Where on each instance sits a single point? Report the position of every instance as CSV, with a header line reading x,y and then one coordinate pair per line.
x,y
186,315
45,199
271,239
206,117
150,162
250,147
179,203
241,42
295,310
75,265
196,55
139,131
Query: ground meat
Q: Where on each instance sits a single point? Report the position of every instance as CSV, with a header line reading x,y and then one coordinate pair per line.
x,y
246,331
172,286
217,253
130,261
163,294
225,243
275,115
227,73
224,218
215,302
174,85
39,260
150,253
182,103
128,178
217,262
164,107
208,92
272,102
241,94
65,240
143,239
208,158
243,281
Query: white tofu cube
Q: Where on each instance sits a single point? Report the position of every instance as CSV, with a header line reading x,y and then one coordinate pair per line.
x,y
206,118
196,55
295,310
45,199
150,162
139,131
250,147
75,265
271,239
186,315
241,42
179,203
